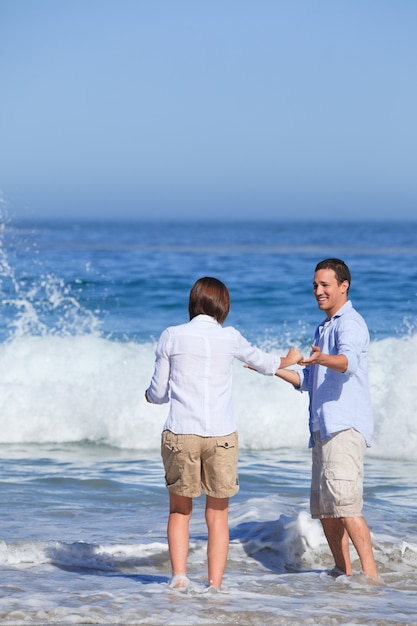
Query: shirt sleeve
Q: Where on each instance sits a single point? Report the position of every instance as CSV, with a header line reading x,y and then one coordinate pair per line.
x,y
304,375
352,340
264,362
158,390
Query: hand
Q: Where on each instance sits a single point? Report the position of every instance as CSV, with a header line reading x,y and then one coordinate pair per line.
x,y
294,356
313,358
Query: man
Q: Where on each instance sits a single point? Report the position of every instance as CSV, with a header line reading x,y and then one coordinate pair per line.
x,y
341,422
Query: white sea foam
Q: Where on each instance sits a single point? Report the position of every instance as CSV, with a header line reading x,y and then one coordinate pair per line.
x,y
85,387
277,573
285,543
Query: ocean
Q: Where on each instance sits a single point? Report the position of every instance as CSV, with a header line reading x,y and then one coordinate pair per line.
x,y
83,502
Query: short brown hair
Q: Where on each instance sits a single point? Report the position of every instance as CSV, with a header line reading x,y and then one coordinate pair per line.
x,y
209,296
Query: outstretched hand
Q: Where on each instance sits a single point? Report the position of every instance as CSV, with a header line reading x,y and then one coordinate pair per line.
x,y
313,358
293,357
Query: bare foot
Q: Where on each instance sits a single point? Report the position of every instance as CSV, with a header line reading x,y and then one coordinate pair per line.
x,y
336,572
179,581
373,580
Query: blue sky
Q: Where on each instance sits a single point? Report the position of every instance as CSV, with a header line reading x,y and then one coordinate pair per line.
x,y
206,109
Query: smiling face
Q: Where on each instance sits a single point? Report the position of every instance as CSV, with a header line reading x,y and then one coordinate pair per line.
x,y
330,295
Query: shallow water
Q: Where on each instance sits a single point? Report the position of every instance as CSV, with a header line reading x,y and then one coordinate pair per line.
x,y
83,506
84,542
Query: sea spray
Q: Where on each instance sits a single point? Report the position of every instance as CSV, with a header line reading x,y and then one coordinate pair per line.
x,y
85,387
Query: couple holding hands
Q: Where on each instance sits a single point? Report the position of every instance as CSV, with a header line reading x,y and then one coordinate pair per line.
x,y
199,448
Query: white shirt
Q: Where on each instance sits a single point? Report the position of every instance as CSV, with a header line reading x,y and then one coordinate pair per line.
x,y
193,370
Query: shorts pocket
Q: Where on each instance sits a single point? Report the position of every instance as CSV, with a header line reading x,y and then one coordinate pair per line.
x,y
220,477
171,450
342,489
170,442
226,445
227,442
336,471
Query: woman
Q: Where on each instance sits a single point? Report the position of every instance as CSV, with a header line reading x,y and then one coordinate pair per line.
x,y
193,371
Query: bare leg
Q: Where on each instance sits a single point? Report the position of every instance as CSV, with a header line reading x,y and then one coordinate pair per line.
x,y
338,540
180,509
338,531
217,518
358,531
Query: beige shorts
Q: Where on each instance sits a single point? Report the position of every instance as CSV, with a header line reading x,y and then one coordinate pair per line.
x,y
193,463
337,475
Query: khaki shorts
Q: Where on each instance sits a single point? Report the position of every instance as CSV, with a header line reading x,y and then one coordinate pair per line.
x,y
337,475
193,463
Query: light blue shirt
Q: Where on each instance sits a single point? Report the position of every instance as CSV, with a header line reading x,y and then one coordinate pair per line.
x,y
339,401
193,371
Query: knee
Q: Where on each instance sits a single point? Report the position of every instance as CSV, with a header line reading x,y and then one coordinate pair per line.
x,y
180,511
180,505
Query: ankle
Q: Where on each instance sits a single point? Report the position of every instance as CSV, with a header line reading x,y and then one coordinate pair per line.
x,y
178,581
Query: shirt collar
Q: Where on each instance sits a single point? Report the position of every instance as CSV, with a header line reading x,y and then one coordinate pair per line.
x,y
204,318
343,309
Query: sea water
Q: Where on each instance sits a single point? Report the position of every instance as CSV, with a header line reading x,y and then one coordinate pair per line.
x,y
83,502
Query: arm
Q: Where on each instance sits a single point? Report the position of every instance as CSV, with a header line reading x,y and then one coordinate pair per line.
x,y
290,376
158,390
293,356
337,362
